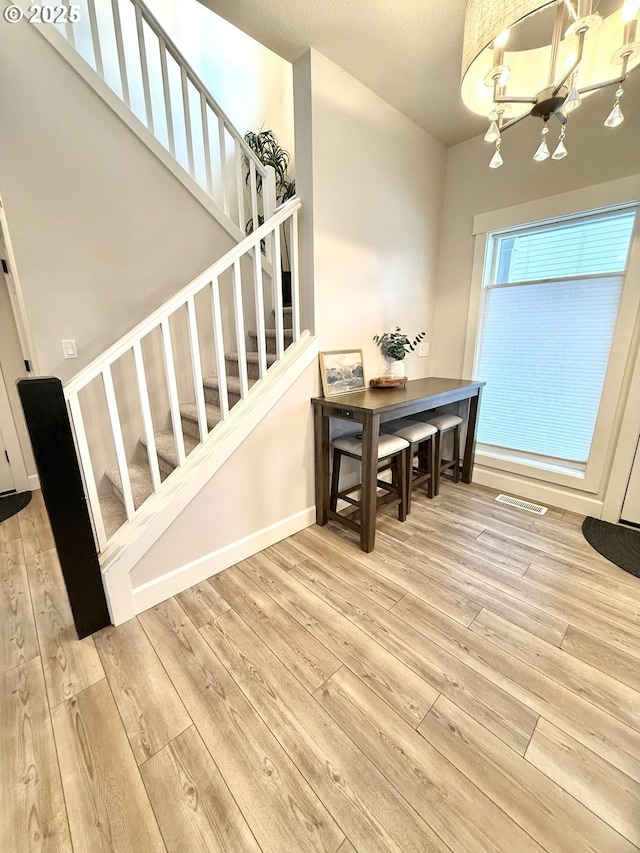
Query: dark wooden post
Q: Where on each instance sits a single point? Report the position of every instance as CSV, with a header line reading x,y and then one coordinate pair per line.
x,y
54,450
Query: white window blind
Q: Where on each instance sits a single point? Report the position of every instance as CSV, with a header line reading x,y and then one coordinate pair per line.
x,y
550,308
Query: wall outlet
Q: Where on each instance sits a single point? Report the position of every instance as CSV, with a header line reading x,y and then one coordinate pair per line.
x,y
423,349
69,349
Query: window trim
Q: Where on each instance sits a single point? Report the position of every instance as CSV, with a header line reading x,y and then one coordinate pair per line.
x,y
599,198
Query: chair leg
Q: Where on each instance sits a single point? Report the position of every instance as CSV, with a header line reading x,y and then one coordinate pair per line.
x,y
456,454
335,480
403,460
436,463
430,459
409,478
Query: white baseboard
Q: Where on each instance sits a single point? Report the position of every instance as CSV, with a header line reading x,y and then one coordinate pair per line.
x,y
149,594
34,482
538,491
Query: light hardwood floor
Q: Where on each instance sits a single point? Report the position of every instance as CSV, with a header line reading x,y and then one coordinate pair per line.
x,y
471,685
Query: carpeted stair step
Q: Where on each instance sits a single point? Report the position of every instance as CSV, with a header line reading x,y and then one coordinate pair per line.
x,y
253,364
212,393
270,337
287,317
113,513
141,484
189,418
166,448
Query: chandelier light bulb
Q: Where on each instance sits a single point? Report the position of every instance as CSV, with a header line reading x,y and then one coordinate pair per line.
x,y
630,9
493,133
501,40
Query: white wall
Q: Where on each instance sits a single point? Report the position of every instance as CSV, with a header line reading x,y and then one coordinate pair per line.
x,y
372,183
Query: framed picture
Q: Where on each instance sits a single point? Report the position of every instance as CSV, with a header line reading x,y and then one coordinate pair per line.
x,y
342,371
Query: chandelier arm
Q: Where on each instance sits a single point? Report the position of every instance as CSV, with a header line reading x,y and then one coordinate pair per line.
x,y
581,36
505,99
513,121
619,80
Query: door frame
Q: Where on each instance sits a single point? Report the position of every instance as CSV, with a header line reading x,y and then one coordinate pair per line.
x,y
15,295
21,479
627,440
11,441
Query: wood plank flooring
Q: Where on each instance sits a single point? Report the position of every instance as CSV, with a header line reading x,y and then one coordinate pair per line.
x,y
471,685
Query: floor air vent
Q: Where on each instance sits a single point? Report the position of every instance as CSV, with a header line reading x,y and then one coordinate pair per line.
x,y
529,507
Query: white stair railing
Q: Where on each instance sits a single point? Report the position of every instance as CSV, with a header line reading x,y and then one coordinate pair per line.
x,y
129,49
154,357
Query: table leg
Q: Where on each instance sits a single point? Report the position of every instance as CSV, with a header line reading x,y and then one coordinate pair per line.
x,y
322,452
370,430
470,443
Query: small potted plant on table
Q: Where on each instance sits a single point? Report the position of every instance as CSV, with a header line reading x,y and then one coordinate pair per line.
x,y
395,346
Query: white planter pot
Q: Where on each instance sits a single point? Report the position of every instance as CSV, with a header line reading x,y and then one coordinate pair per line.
x,y
396,368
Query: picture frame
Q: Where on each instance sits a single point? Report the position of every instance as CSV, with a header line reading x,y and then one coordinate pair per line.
x,y
342,371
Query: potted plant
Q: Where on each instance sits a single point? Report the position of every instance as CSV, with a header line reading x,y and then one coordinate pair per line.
x,y
267,149
395,346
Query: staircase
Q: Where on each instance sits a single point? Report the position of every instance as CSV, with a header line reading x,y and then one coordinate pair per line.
x,y
113,504
166,406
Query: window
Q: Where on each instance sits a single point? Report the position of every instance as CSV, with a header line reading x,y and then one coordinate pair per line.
x,y
551,298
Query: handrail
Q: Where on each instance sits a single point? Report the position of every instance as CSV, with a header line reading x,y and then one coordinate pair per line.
x,y
118,349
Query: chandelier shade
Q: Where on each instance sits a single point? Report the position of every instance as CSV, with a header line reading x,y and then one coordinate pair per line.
x,y
554,52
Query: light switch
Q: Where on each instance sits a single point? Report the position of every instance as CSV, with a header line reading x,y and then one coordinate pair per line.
x,y
423,349
69,349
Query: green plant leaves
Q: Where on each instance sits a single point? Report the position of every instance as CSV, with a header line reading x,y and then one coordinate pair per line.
x,y
267,149
397,345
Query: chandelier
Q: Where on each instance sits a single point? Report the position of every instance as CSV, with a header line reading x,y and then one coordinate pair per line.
x,y
524,57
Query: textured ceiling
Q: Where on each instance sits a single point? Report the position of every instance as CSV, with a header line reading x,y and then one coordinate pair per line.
x,y
407,51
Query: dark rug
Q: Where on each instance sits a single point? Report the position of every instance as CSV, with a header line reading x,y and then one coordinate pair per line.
x,y
11,504
620,545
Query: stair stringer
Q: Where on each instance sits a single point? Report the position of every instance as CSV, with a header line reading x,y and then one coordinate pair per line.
x,y
93,79
133,540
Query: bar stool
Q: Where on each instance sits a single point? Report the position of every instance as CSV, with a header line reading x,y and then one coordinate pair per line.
x,y
445,424
392,453
420,436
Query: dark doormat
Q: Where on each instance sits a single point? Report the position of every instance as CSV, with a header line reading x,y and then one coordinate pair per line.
x,y
11,504
618,544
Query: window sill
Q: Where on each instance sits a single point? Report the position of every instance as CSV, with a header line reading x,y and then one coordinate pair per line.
x,y
555,471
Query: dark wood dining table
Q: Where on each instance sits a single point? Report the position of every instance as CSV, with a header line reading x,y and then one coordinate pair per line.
x,y
372,407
